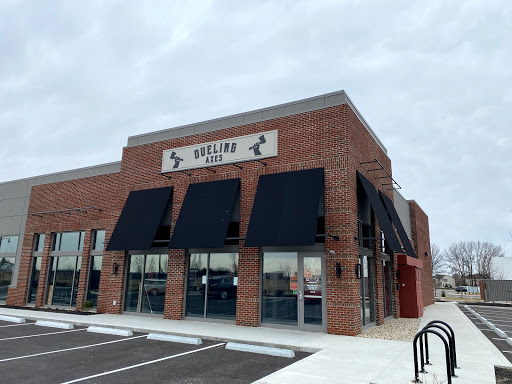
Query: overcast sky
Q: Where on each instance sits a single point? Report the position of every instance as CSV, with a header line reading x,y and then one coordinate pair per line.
x,y
432,78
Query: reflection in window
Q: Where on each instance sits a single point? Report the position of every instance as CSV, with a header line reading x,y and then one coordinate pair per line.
x,y
98,240
39,242
6,270
146,282
9,244
68,241
63,280
212,278
94,279
280,286
34,279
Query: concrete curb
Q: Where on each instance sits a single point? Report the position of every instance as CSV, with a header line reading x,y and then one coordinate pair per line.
x,y
110,331
261,350
54,324
174,339
500,333
12,319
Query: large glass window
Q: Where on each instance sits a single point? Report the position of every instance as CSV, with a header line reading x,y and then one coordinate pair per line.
x,y
280,287
34,279
9,244
68,241
212,285
39,242
6,270
146,282
98,240
94,279
63,280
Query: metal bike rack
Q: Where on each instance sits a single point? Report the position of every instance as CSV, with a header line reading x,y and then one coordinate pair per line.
x,y
446,350
449,346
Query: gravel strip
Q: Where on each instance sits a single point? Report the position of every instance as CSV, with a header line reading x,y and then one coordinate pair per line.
x,y
394,329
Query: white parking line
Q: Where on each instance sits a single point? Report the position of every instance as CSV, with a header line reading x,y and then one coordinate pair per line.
x,y
15,325
42,334
142,364
69,349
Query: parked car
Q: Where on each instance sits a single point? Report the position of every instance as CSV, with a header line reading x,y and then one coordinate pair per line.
x,y
461,289
221,286
155,286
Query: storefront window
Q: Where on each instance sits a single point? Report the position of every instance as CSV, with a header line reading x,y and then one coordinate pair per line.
x,y
68,241
63,280
98,240
6,270
94,279
146,282
9,244
34,280
39,242
212,285
280,286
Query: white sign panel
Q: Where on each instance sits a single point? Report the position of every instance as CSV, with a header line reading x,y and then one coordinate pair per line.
x,y
228,151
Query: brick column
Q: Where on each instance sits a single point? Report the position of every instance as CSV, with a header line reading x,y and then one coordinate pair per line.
x,y
176,284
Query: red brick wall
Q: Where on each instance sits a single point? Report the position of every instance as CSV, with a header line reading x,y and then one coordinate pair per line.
x,y
332,138
421,239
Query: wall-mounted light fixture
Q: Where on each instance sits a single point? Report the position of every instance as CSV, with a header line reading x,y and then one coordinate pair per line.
x,y
426,254
358,271
115,268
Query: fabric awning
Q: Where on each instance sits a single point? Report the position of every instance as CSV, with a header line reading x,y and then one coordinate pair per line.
x,y
390,207
204,217
382,214
139,221
285,209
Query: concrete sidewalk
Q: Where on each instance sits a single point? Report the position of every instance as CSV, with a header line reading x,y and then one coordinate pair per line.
x,y
339,359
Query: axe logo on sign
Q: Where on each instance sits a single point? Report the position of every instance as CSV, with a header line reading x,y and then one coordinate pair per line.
x,y
256,146
176,159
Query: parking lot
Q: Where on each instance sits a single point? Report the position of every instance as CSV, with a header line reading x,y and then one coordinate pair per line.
x,y
501,317
35,354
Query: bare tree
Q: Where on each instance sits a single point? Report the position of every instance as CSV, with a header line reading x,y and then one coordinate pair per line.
x,y
469,260
437,258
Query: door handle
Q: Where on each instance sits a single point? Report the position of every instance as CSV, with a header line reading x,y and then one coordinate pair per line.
x,y
300,295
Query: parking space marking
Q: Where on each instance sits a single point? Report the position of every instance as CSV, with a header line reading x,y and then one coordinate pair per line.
x,y
69,349
42,334
15,325
143,364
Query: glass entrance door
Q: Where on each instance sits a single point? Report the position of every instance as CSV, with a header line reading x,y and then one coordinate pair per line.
x,y
293,286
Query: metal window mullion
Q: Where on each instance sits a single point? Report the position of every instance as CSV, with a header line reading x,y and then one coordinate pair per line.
x,y
141,290
73,284
56,260
207,284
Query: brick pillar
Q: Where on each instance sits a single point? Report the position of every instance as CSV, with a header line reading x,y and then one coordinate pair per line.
x,y
176,284
343,294
84,271
249,260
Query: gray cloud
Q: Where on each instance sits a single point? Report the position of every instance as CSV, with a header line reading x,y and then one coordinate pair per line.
x,y
432,78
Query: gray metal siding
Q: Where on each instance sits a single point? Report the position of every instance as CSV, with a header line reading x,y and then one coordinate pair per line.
x,y
402,208
498,290
282,110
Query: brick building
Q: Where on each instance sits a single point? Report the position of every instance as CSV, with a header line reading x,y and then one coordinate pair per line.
x,y
286,216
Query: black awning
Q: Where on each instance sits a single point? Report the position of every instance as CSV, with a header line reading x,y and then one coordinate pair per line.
x,y
382,214
140,219
285,209
398,225
204,217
